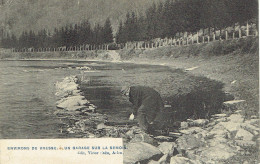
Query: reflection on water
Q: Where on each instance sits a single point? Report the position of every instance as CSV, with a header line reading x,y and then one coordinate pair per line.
x,y
28,101
27,95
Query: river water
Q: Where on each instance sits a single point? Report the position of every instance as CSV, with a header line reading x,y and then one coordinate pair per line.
x,y
28,101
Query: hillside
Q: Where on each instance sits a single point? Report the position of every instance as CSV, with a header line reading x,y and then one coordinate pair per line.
x,y
18,15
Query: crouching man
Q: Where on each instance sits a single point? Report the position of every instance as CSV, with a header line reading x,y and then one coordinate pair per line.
x,y
147,105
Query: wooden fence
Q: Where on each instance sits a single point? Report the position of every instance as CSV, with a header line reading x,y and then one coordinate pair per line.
x,y
183,40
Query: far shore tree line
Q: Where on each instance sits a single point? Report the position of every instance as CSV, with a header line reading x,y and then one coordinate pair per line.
x,y
167,19
68,36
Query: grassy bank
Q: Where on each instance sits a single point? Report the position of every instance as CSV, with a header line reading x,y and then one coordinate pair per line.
x,y
233,62
95,55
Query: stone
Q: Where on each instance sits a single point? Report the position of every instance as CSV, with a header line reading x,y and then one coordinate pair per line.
x,y
184,125
140,151
191,130
243,143
251,128
238,118
153,162
217,140
254,122
163,159
244,135
219,115
163,138
199,122
83,68
73,103
143,137
218,130
233,102
186,142
167,147
182,160
230,126
218,152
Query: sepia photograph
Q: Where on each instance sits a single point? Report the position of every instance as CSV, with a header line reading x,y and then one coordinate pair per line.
x,y
129,81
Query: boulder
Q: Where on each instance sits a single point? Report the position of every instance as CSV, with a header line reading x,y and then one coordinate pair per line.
x,y
238,118
218,152
199,122
73,103
182,160
218,130
184,125
163,138
140,151
216,140
191,130
230,126
153,162
244,135
167,147
243,143
143,137
163,159
219,115
188,142
251,128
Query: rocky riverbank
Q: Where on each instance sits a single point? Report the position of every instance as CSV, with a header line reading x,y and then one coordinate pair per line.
x,y
226,137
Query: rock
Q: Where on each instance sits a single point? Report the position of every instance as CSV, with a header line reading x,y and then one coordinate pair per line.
x,y
222,119
184,125
182,160
216,140
190,69
73,103
191,130
167,147
254,122
243,143
163,159
244,135
136,152
233,102
251,128
163,138
199,122
236,118
188,142
218,152
83,68
219,115
153,162
218,130
143,137
230,126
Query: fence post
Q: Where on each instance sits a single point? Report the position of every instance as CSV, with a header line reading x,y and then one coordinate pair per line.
x,y
197,37
226,35
256,32
208,38
233,35
247,29
203,39
214,36
239,33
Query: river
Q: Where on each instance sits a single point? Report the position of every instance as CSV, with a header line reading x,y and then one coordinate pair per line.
x,y
28,101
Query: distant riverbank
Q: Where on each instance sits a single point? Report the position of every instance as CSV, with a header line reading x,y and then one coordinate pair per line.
x,y
233,62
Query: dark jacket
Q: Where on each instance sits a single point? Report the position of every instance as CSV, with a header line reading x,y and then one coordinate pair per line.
x,y
146,101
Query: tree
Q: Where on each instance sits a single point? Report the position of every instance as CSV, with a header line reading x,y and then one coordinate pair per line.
x,y
108,33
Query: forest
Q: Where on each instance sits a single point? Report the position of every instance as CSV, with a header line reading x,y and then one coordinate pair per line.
x,y
167,18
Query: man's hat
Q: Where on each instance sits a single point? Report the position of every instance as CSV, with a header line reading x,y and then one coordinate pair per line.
x,y
125,89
